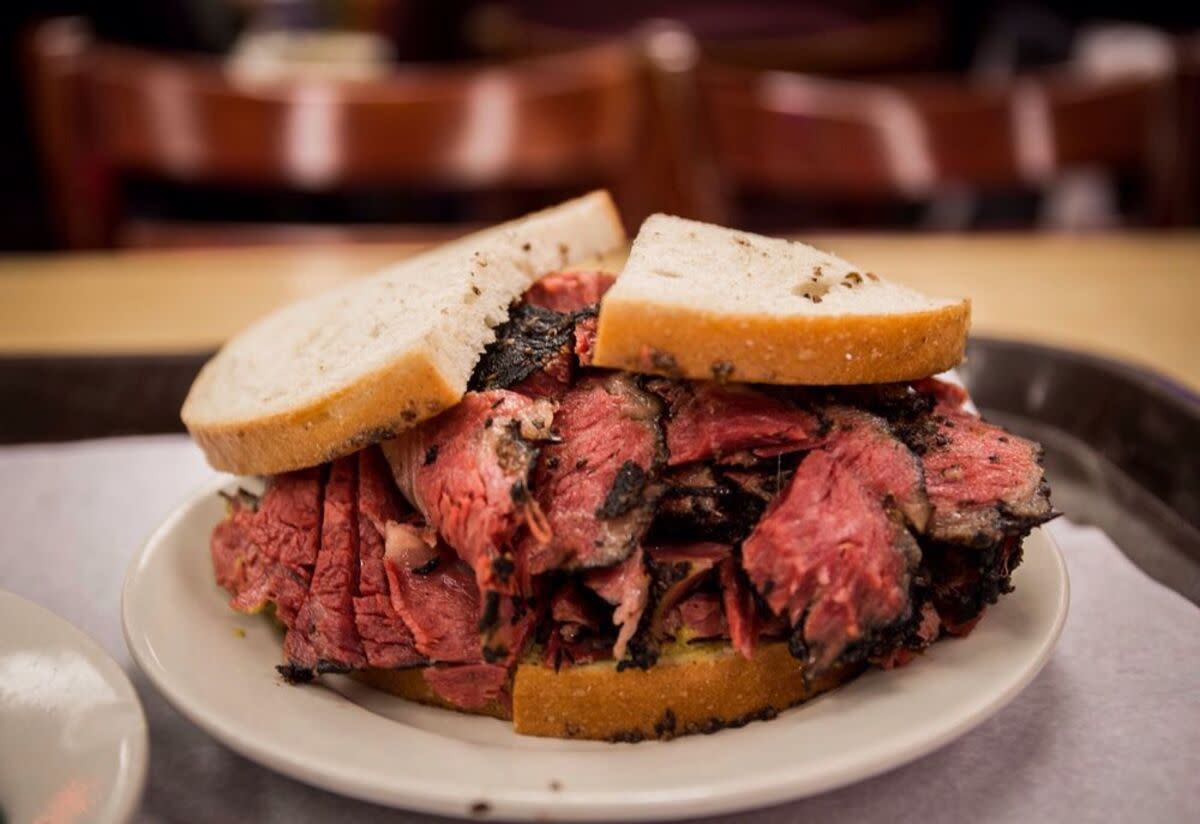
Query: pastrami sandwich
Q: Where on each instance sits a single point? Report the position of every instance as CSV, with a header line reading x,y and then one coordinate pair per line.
x,y
505,480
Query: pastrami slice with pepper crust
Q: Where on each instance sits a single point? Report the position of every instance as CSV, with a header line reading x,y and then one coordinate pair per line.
x,y
595,483
528,342
467,471
865,445
984,483
711,421
828,556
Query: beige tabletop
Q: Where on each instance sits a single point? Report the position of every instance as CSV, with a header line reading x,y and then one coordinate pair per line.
x,y
1133,296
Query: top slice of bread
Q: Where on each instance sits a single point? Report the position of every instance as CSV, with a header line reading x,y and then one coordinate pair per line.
x,y
331,374
702,301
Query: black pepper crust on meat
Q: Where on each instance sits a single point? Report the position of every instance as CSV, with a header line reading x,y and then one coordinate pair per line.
x,y
897,402
717,503
491,611
294,674
626,491
963,581
696,507
527,342
597,485
643,648
985,485
674,574
530,338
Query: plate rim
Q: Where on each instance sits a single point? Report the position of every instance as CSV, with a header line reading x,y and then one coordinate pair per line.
x,y
764,790
130,784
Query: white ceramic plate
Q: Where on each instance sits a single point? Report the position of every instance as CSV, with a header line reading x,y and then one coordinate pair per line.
x,y
217,667
72,734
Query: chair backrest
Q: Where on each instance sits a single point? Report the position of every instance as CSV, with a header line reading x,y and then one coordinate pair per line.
x,y
902,39
1189,128
791,133
551,121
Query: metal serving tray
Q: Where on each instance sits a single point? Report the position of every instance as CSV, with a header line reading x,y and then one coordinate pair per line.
x,y
1122,444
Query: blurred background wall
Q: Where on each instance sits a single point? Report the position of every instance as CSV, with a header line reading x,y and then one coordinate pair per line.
x,y
216,122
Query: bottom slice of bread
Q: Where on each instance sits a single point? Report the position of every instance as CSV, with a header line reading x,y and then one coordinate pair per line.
x,y
697,689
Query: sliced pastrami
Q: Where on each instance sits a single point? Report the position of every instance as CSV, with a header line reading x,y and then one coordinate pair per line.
x,y
469,686
467,472
441,606
680,568
292,509
925,631
579,629
239,563
585,338
594,484
864,444
965,580
675,572
627,587
827,555
577,293
571,606
570,291
983,482
265,550
535,350
946,394
700,502
712,421
741,610
506,626
387,641
324,636
553,379
377,507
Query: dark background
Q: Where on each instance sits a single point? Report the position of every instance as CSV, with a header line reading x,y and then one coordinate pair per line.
x,y
1038,33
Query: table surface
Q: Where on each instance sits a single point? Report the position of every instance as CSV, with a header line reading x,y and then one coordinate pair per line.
x,y
1134,296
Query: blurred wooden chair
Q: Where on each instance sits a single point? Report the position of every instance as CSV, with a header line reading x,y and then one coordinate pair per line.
x,y
103,112
815,38
908,139
1188,51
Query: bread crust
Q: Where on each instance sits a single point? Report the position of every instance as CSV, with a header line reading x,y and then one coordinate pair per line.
x,y
702,690
411,389
697,689
813,350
